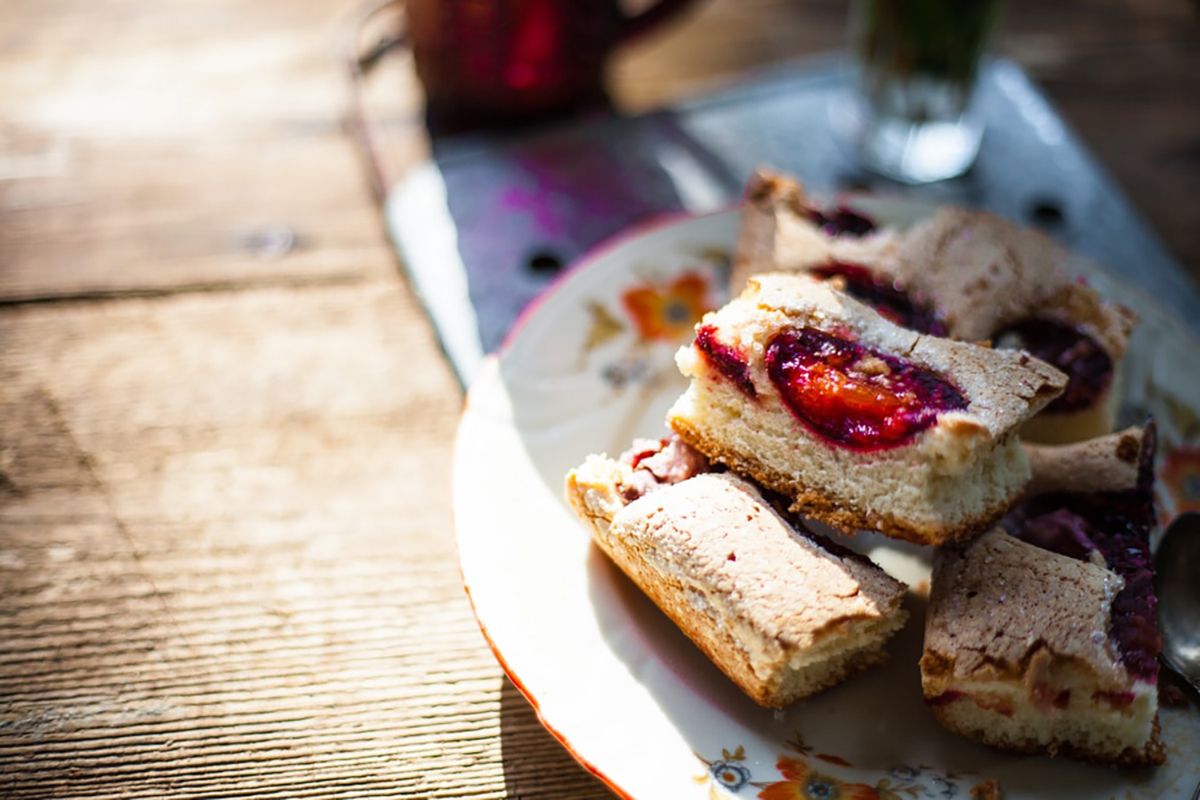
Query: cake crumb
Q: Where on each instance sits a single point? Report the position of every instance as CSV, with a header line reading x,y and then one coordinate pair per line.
x,y
872,365
1128,449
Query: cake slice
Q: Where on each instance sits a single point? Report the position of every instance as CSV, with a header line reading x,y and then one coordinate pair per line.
x,y
782,612
1044,639
992,279
861,423
785,229
964,274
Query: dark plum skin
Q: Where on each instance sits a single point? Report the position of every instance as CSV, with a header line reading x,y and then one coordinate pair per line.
x,y
725,359
1117,525
888,298
853,396
841,221
1088,366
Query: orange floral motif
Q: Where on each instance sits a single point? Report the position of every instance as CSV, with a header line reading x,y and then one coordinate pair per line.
x,y
1181,476
667,312
802,782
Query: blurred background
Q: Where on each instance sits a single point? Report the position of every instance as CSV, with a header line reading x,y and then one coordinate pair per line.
x,y
116,112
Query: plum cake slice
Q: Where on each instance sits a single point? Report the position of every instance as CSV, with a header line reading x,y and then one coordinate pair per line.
x,y
781,611
1044,638
861,423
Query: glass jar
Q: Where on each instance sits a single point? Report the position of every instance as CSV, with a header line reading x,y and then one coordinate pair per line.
x,y
918,61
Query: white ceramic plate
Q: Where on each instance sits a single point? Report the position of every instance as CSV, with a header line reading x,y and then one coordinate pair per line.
x,y
589,368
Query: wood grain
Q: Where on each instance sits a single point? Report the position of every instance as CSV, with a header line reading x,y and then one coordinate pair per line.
x,y
178,144
226,559
226,562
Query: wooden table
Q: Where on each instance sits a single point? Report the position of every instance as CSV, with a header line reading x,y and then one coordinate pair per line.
x,y
226,558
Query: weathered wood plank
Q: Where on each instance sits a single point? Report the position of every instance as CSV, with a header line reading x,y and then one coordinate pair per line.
x,y
258,597
188,215
178,144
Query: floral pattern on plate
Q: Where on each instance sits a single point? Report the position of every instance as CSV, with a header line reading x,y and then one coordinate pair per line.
x,y
653,310
801,778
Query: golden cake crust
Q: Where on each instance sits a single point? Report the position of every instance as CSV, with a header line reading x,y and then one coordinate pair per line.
x,y
1016,628
780,615
819,507
1001,608
1152,754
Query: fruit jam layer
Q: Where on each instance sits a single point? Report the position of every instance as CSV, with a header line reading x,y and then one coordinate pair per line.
x,y
725,359
885,296
1116,525
840,221
853,396
1087,365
